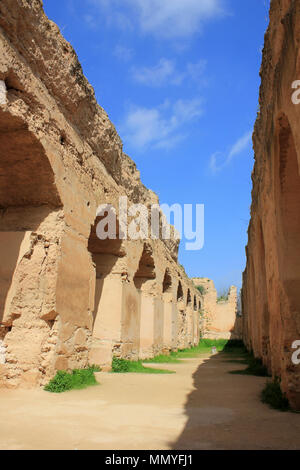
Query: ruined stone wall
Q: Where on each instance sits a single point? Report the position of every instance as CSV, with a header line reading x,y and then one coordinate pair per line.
x,y
271,287
67,298
220,317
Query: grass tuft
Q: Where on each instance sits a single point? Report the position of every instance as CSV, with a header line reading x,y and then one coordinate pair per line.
x,y
162,359
125,366
273,396
76,380
204,346
201,289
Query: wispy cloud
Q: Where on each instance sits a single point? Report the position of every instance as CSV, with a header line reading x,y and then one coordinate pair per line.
x,y
161,127
218,161
123,53
157,75
164,18
166,73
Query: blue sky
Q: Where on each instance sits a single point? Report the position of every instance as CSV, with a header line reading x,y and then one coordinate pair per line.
x,y
180,80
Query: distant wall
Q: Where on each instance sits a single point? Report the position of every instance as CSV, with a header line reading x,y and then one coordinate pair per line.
x,y
221,319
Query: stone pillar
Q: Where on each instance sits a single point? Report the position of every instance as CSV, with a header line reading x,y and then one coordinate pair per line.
x,y
175,326
158,325
181,340
148,310
196,337
168,321
190,326
131,321
108,320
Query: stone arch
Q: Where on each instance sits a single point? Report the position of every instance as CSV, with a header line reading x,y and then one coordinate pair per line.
x,y
189,319
180,295
262,308
146,269
167,282
30,225
181,321
287,199
151,305
169,313
109,271
287,187
195,325
188,298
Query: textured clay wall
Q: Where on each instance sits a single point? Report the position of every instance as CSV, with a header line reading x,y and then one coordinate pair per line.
x,y
271,288
220,318
67,298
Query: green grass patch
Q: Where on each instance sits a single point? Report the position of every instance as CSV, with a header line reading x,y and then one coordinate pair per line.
x,y
201,289
204,347
76,380
162,359
120,366
273,396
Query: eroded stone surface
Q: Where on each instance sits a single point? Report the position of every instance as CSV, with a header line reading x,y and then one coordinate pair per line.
x,y
68,299
271,288
221,320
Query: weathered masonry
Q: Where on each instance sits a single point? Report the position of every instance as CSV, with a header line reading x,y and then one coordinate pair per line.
x,y
67,298
271,288
221,319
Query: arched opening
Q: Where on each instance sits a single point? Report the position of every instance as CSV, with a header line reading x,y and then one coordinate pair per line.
x,y
28,242
179,292
189,298
287,192
146,269
288,203
167,282
189,319
107,257
151,308
262,307
195,327
170,312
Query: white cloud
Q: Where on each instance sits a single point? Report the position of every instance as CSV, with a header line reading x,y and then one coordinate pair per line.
x,y
217,160
160,74
165,18
123,53
114,16
161,127
166,73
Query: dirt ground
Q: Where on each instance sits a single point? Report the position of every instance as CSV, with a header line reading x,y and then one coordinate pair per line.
x,y
199,407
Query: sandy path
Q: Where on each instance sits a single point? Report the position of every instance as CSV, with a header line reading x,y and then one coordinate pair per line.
x,y
199,407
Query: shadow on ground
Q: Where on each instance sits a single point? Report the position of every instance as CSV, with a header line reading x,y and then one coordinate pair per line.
x,y
224,411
